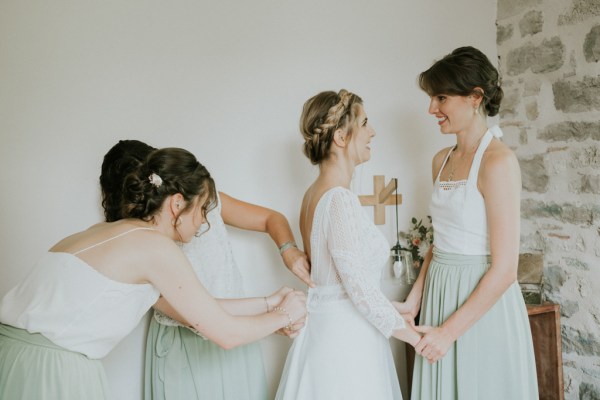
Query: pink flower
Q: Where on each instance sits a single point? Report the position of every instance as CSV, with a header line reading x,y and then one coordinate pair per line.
x,y
416,241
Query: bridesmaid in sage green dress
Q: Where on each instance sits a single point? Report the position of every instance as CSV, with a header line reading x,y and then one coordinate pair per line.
x,y
92,288
180,363
477,340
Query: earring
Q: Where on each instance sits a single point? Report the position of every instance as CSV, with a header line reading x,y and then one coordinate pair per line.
x,y
475,111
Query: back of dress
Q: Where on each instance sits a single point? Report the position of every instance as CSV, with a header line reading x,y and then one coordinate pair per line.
x,y
343,351
348,254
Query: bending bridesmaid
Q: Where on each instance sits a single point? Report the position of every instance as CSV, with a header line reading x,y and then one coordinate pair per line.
x,y
92,288
180,363
477,342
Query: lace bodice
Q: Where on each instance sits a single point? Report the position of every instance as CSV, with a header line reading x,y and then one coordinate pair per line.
x,y
211,256
348,254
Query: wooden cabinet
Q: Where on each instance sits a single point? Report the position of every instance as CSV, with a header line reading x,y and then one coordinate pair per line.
x,y
545,331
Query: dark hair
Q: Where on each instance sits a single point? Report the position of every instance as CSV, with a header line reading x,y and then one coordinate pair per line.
x,y
164,173
321,116
122,159
459,73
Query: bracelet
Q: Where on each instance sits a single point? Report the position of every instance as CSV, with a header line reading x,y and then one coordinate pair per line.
x,y
286,246
282,310
266,303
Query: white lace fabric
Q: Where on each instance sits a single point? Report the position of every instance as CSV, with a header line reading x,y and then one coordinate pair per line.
x,y
348,255
451,185
211,256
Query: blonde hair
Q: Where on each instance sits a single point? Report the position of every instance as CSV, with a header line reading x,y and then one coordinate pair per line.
x,y
321,116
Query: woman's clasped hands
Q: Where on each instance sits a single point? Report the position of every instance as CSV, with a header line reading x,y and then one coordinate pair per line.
x,y
434,342
293,303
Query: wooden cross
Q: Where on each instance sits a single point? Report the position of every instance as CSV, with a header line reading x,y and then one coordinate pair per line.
x,y
381,197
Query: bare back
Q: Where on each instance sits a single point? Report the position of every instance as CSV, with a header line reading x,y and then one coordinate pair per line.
x,y
117,250
307,212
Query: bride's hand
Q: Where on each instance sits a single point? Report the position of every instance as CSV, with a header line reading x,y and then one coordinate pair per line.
x,y
408,334
406,308
409,319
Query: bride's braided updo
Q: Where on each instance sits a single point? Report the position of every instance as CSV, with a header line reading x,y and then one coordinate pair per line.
x,y
321,116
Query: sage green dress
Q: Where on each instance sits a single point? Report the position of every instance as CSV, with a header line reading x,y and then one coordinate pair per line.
x,y
180,363
494,359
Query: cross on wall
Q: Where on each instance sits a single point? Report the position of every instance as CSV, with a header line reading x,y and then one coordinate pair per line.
x,y
381,197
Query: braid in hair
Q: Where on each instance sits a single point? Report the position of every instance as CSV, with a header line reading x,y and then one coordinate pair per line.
x,y
321,116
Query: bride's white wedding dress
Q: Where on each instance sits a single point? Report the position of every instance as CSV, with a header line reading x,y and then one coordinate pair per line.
x,y
343,352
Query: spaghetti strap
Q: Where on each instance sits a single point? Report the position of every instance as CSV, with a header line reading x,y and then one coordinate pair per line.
x,y
111,238
444,163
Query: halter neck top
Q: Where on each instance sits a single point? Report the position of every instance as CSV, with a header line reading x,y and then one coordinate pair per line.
x,y
458,210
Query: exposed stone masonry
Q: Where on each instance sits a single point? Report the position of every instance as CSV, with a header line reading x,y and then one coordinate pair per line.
x,y
549,52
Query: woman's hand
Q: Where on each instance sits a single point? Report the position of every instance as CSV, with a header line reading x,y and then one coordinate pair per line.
x,y
293,330
407,309
294,304
435,342
297,324
297,262
276,298
408,334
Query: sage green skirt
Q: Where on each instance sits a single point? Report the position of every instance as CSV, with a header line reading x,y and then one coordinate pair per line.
x,y
494,359
32,367
181,365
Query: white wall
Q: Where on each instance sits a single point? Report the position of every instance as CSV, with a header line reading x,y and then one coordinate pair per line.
x,y
225,80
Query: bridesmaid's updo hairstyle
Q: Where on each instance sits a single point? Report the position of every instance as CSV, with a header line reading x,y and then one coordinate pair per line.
x,y
123,158
321,116
459,73
166,172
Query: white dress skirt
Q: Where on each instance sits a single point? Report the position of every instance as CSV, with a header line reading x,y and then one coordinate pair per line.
x,y
339,355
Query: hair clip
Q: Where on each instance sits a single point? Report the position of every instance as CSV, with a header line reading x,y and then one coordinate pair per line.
x,y
155,180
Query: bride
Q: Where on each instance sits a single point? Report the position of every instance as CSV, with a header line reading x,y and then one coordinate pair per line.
x,y
343,352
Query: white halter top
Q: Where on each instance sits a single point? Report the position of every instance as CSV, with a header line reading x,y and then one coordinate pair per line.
x,y
458,210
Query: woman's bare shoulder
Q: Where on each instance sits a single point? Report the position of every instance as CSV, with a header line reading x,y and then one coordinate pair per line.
x,y
438,160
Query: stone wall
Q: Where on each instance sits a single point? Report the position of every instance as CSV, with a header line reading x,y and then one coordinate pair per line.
x,y
549,53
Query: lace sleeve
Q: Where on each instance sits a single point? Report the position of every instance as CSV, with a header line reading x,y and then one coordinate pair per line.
x,y
349,249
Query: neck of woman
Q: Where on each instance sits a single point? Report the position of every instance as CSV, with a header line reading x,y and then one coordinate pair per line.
x,y
336,172
468,140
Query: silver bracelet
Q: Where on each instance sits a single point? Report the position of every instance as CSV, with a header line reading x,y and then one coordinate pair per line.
x,y
266,303
286,246
281,310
